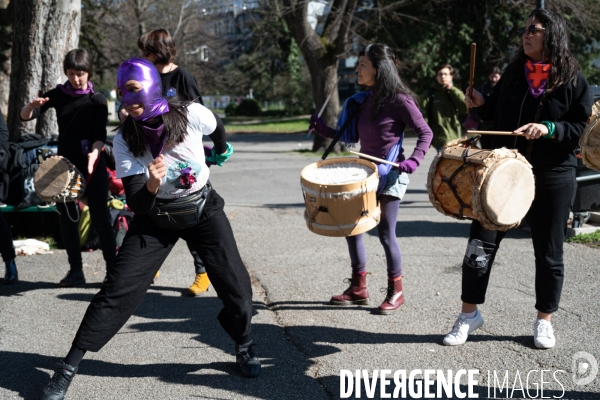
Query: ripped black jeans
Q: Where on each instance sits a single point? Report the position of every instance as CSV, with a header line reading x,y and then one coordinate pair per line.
x,y
554,195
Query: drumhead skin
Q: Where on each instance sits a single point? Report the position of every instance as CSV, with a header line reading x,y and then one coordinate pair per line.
x,y
344,209
508,192
56,179
52,177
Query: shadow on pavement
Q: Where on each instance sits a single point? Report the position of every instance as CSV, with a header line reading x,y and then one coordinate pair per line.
x,y
25,375
408,229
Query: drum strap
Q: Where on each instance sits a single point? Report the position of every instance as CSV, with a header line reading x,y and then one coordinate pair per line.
x,y
339,134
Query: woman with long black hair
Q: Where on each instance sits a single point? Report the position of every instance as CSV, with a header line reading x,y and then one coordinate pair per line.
x,y
545,99
386,109
160,157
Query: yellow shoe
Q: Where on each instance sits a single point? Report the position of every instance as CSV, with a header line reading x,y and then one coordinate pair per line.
x,y
155,277
200,285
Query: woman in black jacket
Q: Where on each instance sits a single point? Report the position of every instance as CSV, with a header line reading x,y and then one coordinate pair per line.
x,y
82,116
544,98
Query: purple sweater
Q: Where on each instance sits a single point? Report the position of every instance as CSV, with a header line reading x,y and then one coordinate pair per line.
x,y
378,136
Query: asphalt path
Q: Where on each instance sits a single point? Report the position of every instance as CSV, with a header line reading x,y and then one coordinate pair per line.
x,y
174,348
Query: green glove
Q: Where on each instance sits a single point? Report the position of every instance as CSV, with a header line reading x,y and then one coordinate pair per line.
x,y
219,159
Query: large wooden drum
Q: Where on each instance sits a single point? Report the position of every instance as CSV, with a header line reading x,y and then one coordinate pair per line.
x,y
340,195
589,144
495,187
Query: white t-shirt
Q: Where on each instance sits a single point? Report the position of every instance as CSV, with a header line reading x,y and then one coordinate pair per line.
x,y
187,171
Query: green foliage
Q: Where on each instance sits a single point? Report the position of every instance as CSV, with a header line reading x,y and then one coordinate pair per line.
x,y
248,108
426,34
230,109
273,67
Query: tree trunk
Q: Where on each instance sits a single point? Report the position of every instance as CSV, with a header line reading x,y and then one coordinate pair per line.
x,y
324,79
44,32
6,21
322,53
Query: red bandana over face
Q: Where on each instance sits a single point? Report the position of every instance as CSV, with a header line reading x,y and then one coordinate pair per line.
x,y
537,75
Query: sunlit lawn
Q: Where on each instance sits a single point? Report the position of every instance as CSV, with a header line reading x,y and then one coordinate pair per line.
x,y
295,125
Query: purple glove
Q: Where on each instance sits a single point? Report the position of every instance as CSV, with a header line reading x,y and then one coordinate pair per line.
x,y
317,124
409,166
208,153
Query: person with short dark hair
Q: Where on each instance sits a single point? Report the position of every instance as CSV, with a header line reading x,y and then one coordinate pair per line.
x,y
545,100
158,47
82,115
444,105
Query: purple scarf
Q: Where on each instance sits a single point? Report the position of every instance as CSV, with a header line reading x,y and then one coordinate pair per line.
x,y
154,138
71,91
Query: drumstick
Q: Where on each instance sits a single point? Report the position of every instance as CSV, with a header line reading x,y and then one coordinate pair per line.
x,y
325,103
472,70
375,159
493,133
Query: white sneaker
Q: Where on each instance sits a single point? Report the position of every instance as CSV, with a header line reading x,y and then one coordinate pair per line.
x,y
543,334
461,329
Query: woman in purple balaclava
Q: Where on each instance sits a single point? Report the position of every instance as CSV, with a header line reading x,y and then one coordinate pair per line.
x,y
160,158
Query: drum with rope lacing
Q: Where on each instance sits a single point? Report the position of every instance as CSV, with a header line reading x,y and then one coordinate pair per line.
x,y
495,187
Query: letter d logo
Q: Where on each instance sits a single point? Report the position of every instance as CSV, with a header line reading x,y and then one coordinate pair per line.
x,y
585,368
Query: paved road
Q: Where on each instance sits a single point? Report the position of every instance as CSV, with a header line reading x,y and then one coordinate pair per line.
x,y
173,347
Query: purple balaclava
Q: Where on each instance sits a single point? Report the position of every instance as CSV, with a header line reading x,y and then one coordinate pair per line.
x,y
151,94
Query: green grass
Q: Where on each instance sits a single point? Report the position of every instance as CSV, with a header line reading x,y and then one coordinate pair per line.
x,y
295,125
310,153
589,239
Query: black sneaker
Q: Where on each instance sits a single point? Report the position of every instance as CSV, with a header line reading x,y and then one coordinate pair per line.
x,y
58,385
11,275
245,359
73,278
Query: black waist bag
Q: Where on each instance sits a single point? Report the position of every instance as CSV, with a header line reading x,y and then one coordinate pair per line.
x,y
180,213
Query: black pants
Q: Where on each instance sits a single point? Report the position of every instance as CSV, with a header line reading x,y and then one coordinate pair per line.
x,y
145,248
554,195
7,249
97,194
198,264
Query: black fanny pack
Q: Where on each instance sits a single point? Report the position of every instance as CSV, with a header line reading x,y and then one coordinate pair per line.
x,y
182,212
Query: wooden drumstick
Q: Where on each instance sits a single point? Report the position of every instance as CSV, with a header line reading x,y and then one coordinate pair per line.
x,y
325,103
380,160
493,133
472,70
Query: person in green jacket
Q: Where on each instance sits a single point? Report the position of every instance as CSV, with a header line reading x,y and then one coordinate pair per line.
x,y
443,104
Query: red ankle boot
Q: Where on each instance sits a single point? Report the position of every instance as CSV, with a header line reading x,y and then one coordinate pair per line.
x,y
355,294
394,298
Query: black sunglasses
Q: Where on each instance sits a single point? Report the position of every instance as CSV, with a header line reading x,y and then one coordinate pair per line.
x,y
532,29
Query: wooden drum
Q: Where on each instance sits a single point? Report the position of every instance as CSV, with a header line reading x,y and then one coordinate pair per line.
x,y
340,195
57,180
495,187
589,144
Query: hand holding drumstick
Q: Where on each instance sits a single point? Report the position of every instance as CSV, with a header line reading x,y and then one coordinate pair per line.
x,y
474,99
